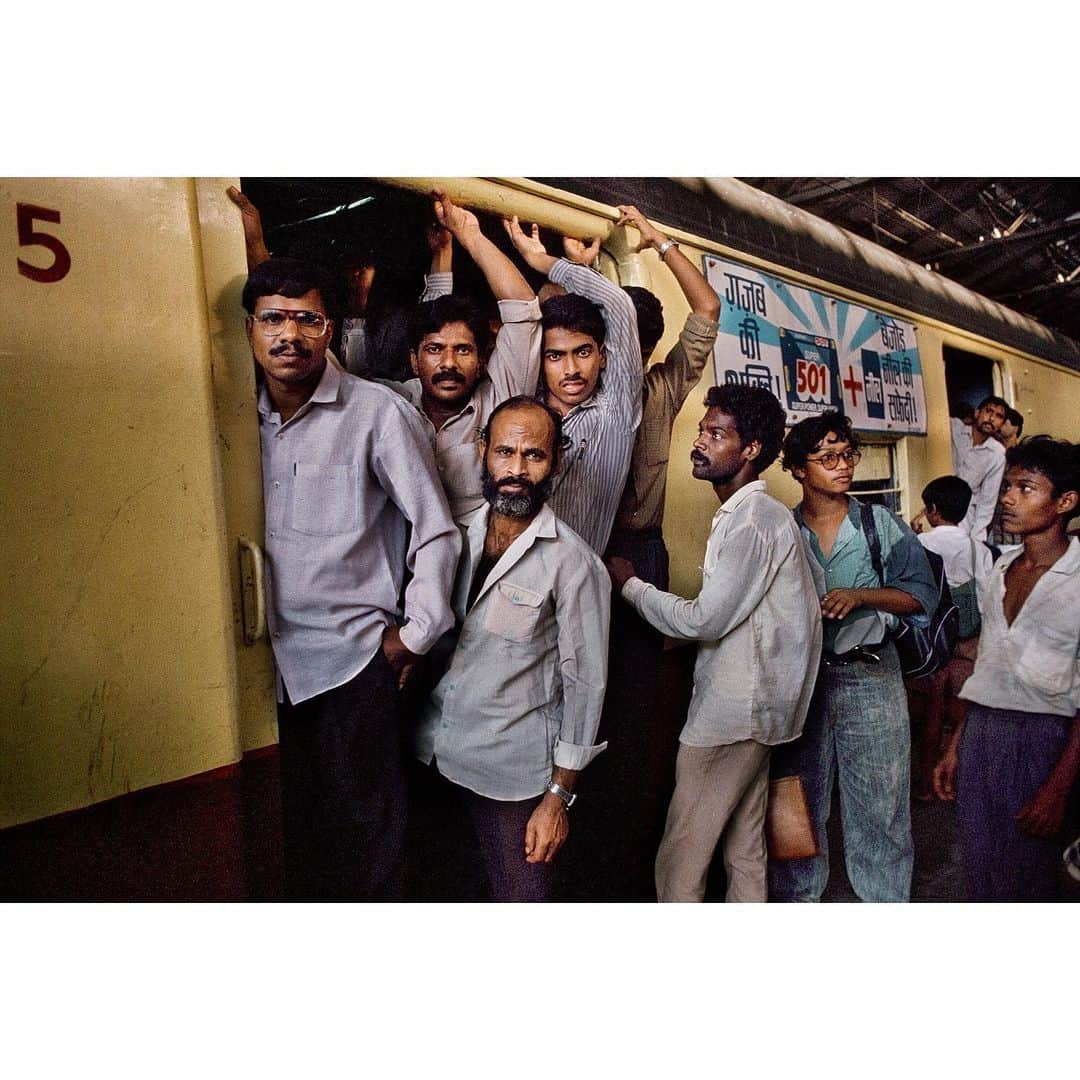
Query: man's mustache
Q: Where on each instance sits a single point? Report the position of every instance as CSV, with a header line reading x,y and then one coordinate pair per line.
x,y
292,346
449,376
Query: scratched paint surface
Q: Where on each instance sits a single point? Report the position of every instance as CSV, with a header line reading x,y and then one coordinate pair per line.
x,y
116,640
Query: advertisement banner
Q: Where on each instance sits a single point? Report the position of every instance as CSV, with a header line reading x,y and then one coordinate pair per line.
x,y
816,352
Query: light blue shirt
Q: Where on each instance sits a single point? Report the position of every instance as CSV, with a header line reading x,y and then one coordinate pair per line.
x,y
849,566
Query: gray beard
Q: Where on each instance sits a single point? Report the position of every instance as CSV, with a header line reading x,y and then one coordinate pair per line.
x,y
527,504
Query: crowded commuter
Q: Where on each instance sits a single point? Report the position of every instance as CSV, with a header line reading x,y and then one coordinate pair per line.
x,y
979,459
967,565
456,386
352,502
857,729
630,778
513,720
758,626
591,364
1012,762
1012,428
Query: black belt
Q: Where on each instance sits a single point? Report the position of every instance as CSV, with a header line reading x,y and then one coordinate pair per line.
x,y
861,654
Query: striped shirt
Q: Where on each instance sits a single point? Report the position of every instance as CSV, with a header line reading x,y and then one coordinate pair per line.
x,y
600,430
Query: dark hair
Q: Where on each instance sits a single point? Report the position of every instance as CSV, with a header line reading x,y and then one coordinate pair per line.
x,y
432,315
1016,419
803,439
291,278
521,401
950,496
758,415
993,399
650,317
1057,459
574,313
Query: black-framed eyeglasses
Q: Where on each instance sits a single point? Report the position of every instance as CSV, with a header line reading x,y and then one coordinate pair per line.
x,y
310,323
830,459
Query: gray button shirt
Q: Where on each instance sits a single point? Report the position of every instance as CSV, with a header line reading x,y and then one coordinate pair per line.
x,y
343,481
758,622
525,685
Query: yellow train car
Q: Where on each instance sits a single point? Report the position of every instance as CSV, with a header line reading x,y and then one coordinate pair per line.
x,y
138,725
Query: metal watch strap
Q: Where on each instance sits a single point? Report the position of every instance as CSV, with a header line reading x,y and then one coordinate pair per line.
x,y
568,797
665,247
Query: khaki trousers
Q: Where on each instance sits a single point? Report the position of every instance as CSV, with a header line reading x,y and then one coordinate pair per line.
x,y
720,794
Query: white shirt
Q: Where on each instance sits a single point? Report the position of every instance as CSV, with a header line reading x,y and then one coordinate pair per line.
x,y
1034,665
352,500
525,685
982,467
964,558
757,618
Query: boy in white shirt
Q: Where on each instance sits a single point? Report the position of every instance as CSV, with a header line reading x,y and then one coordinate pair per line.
x,y
1012,763
967,565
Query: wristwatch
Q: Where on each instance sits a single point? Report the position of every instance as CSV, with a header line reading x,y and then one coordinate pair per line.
x,y
665,247
568,797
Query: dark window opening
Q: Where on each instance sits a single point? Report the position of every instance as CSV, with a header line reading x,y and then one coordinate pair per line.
x,y
969,379
345,224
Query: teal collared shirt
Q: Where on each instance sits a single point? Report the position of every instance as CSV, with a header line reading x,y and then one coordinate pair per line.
x,y
849,566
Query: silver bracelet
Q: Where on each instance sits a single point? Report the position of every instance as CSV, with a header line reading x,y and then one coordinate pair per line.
x,y
665,247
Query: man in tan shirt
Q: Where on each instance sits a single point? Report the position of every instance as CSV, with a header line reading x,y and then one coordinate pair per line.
x,y
628,784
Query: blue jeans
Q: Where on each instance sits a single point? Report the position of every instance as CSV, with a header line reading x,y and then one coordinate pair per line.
x,y
857,730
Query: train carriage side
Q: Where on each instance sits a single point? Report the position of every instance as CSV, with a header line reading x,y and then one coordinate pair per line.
x,y
136,743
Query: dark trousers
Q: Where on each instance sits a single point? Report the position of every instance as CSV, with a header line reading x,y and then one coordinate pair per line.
x,y
343,792
620,818
1004,758
468,847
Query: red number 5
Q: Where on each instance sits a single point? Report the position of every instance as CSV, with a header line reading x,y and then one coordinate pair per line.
x,y
25,213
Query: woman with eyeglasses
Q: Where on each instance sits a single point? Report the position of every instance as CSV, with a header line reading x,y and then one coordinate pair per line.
x,y
857,728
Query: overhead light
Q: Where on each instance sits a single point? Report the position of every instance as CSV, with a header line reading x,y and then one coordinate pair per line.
x,y
929,267
996,234
1061,278
981,239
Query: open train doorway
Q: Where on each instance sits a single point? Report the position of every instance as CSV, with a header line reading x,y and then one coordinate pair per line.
x,y
969,379
375,239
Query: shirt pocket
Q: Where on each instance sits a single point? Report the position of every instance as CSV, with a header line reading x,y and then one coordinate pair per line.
x,y
1045,658
324,499
513,612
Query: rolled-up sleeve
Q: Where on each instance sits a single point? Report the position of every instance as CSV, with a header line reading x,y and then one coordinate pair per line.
x,y
514,367
907,567
405,465
582,611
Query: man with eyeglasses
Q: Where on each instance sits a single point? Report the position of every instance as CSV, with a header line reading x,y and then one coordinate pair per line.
x,y
352,500
857,727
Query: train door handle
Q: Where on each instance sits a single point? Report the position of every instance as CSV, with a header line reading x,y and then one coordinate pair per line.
x,y
252,582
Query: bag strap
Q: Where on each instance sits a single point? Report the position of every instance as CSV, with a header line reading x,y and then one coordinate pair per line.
x,y
866,513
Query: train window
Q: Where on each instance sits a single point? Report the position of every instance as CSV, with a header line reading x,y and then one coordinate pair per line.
x,y
969,379
876,476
